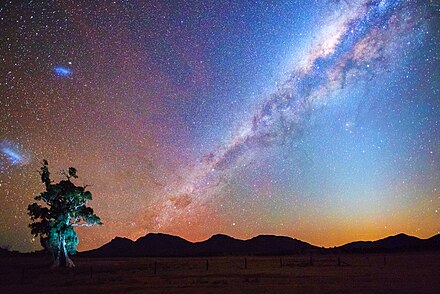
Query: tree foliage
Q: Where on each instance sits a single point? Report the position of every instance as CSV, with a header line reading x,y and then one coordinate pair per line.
x,y
64,206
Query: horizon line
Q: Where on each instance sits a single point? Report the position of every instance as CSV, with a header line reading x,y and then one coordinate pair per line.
x,y
245,239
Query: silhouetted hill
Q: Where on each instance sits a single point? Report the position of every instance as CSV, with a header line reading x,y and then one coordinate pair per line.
x,y
4,252
122,245
217,245
280,245
435,238
8,253
433,242
162,245
394,243
155,245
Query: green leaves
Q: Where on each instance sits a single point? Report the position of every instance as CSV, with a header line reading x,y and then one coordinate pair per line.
x,y
40,228
87,195
65,206
72,172
71,240
34,210
44,173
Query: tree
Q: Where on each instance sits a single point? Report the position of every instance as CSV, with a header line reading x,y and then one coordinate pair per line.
x,y
64,207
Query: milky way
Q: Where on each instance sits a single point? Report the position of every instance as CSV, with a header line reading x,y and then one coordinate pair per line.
x,y
361,42
318,120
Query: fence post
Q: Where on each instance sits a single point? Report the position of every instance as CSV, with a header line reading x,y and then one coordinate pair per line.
x,y
155,267
207,265
281,262
311,260
245,263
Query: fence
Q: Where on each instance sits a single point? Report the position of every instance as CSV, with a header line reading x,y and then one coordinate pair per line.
x,y
232,264
162,266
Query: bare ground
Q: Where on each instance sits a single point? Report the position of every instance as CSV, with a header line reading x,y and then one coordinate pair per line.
x,y
366,273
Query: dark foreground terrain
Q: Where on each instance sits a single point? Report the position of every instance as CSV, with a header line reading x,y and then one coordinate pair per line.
x,y
352,273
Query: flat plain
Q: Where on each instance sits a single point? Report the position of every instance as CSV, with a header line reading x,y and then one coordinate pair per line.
x,y
318,273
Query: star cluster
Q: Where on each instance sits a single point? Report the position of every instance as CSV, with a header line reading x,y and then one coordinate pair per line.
x,y
314,119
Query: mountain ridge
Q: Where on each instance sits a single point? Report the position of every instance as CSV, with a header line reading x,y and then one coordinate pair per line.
x,y
159,244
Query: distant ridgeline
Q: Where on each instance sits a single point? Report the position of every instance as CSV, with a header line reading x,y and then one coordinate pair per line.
x,y
156,245
163,245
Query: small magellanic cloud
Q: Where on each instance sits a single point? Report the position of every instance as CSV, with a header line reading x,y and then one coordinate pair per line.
x,y
62,71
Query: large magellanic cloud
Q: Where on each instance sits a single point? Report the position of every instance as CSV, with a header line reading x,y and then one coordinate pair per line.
x,y
11,154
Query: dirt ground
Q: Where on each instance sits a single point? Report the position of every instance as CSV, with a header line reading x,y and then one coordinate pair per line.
x,y
366,273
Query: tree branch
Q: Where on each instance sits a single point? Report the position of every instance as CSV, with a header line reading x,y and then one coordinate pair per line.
x,y
82,225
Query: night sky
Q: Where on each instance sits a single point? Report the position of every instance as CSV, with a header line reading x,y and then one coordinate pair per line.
x,y
318,120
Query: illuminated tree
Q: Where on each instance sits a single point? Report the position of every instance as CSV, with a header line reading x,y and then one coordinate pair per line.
x,y
64,207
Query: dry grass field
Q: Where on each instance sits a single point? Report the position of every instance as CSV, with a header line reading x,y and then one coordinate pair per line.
x,y
367,273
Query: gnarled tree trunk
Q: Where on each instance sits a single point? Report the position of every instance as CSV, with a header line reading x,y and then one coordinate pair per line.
x,y
56,262
62,258
67,262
